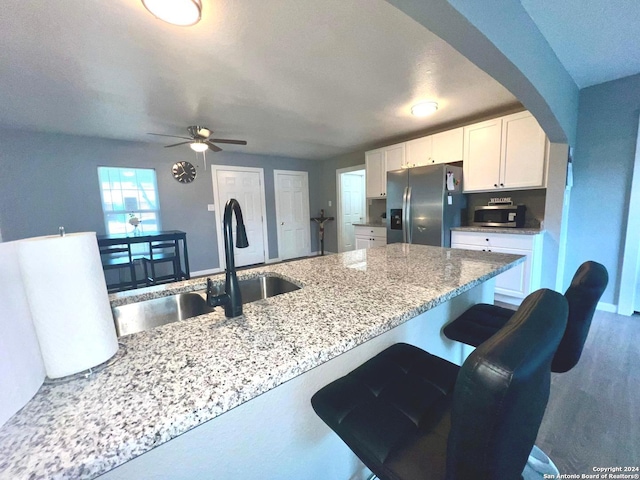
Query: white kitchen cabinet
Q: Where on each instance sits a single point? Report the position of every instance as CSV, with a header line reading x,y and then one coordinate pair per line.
x,y
516,283
377,163
447,147
375,174
367,237
523,152
394,157
419,151
505,153
443,147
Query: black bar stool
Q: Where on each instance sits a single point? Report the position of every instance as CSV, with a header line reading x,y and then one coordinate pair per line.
x,y
118,257
410,415
482,321
162,252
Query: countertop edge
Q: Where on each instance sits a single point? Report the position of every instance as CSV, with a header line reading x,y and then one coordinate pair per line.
x,y
513,231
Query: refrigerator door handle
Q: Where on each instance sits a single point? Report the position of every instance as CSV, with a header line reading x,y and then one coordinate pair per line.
x,y
405,236
409,219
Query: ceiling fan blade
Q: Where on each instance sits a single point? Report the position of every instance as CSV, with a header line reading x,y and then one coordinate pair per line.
x,y
176,144
222,140
163,135
213,147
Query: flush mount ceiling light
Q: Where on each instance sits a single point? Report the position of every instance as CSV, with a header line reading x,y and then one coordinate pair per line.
x,y
177,12
424,109
199,146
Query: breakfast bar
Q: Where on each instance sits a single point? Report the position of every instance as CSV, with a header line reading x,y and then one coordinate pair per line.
x,y
212,397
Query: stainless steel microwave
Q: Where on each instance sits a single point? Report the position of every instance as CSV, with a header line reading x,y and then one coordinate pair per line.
x,y
499,216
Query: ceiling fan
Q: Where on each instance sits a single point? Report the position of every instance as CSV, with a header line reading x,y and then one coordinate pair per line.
x,y
200,140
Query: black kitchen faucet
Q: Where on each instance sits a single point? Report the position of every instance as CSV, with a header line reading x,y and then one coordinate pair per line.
x,y
231,298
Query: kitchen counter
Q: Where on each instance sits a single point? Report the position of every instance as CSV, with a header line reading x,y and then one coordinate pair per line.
x,y
370,224
515,231
176,377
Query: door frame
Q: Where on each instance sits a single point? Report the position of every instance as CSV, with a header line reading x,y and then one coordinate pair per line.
x,y
339,173
630,274
306,213
219,209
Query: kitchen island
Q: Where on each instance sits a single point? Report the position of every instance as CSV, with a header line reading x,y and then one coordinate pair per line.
x,y
246,383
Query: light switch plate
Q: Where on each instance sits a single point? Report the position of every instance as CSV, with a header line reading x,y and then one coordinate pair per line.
x,y
211,207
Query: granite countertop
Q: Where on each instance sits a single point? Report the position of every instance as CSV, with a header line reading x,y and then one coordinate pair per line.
x,y
370,224
173,378
515,231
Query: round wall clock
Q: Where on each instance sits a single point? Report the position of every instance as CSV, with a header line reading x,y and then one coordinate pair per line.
x,y
184,172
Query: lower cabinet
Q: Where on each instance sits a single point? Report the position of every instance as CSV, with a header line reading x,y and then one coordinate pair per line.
x,y
516,283
367,237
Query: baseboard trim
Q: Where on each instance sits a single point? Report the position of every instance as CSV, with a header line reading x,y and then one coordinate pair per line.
x,y
202,273
607,307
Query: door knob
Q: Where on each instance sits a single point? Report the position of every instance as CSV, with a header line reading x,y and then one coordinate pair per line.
x,y
282,223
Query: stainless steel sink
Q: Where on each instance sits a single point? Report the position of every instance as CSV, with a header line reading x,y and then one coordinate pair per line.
x,y
149,314
258,288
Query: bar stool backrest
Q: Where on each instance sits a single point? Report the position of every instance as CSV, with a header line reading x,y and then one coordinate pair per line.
x,y
502,391
583,295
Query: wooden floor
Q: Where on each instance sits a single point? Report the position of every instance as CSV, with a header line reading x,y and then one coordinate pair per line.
x,y
593,415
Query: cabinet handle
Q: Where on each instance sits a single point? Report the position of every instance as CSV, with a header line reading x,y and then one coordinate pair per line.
x,y
502,184
486,239
495,185
489,250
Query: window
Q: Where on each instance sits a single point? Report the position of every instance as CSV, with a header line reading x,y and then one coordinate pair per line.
x,y
129,194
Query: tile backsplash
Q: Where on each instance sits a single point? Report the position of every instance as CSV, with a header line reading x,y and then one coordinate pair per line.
x,y
533,199
375,208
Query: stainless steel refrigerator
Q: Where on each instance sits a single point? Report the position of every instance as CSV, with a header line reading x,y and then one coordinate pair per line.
x,y
424,203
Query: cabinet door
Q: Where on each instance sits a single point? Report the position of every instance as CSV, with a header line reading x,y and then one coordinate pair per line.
x,y
419,152
377,241
394,158
447,146
363,242
376,173
515,281
481,167
523,152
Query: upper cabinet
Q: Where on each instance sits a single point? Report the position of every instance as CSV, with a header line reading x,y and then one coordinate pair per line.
x,y
506,153
378,163
394,158
443,147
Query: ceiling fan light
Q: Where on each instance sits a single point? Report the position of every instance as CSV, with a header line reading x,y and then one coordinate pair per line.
x,y
423,109
199,146
177,12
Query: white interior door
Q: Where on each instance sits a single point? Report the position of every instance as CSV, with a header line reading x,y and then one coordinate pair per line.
x,y
292,213
352,198
247,187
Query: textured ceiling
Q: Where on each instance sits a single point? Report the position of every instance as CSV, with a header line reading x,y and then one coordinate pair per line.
x,y
595,40
307,79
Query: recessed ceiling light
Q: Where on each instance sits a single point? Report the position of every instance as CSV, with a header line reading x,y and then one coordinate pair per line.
x,y
177,12
424,109
198,146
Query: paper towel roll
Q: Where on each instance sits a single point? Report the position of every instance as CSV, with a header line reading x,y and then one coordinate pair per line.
x,y
69,302
21,366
